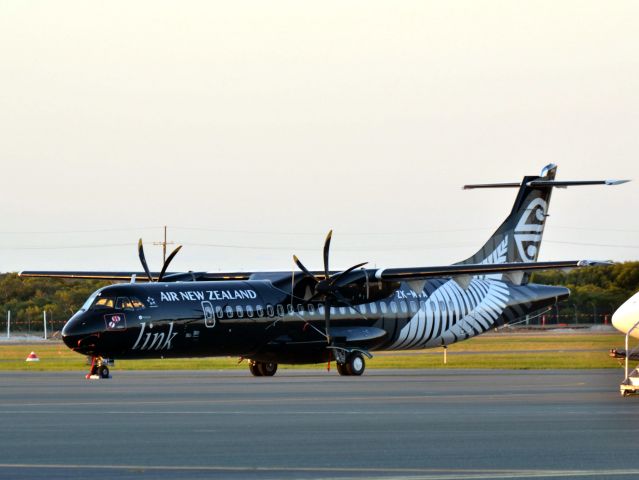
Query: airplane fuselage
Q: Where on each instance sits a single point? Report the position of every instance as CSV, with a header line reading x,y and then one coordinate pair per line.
x,y
626,318
258,320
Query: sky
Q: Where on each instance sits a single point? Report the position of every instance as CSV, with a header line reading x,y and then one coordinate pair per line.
x,y
251,128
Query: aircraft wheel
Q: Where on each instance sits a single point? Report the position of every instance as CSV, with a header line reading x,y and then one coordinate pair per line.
x,y
103,371
254,368
355,364
342,369
267,369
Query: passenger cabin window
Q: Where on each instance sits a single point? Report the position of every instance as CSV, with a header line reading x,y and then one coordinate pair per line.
x,y
270,311
239,311
373,307
249,311
259,310
219,313
280,310
229,311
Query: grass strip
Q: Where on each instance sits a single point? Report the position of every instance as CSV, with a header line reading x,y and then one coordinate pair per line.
x,y
499,351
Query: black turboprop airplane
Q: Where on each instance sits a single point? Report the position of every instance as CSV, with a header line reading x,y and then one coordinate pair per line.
x,y
312,317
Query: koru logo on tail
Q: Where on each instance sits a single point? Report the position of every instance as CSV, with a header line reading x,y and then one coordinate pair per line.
x,y
529,229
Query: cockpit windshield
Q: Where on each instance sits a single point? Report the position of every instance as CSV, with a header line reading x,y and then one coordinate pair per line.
x,y
103,302
128,303
118,303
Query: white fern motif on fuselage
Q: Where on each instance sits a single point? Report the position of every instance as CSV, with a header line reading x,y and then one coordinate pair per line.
x,y
452,313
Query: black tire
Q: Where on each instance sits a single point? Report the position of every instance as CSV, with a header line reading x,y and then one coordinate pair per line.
x,y
268,369
355,364
342,369
103,371
255,369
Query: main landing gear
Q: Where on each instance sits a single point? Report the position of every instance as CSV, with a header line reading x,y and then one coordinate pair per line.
x,y
99,369
262,369
354,364
350,362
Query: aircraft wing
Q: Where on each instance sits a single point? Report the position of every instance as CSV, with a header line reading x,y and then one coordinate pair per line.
x,y
423,273
139,276
384,274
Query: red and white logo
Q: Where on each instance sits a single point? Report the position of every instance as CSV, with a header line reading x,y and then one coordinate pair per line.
x,y
116,321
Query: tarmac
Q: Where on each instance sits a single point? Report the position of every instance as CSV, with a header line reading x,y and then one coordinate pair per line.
x,y
309,424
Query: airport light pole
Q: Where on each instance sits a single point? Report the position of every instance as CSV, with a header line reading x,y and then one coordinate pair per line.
x,y
44,317
8,323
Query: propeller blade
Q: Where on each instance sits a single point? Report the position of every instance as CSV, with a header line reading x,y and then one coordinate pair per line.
x,y
327,246
335,278
327,320
143,260
303,268
168,260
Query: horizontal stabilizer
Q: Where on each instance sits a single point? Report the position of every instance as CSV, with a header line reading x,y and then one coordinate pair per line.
x,y
546,183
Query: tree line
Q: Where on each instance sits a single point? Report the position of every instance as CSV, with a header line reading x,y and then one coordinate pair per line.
x,y
596,293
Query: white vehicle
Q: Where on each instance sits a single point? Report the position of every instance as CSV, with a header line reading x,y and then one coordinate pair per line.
x,y
626,320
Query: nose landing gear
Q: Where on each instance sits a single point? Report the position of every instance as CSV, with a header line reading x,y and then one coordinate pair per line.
x,y
99,369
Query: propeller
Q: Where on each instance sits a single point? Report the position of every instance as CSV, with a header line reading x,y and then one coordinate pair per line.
x,y
329,286
164,267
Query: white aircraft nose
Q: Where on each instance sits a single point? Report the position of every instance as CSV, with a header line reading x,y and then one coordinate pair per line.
x,y
627,316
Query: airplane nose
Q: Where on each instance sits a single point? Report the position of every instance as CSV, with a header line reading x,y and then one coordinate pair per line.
x,y
78,334
627,317
617,320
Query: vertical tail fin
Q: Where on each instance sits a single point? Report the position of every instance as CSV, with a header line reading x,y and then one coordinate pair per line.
x,y
518,238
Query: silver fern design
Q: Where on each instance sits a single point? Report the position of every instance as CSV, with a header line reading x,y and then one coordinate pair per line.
x,y
452,313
